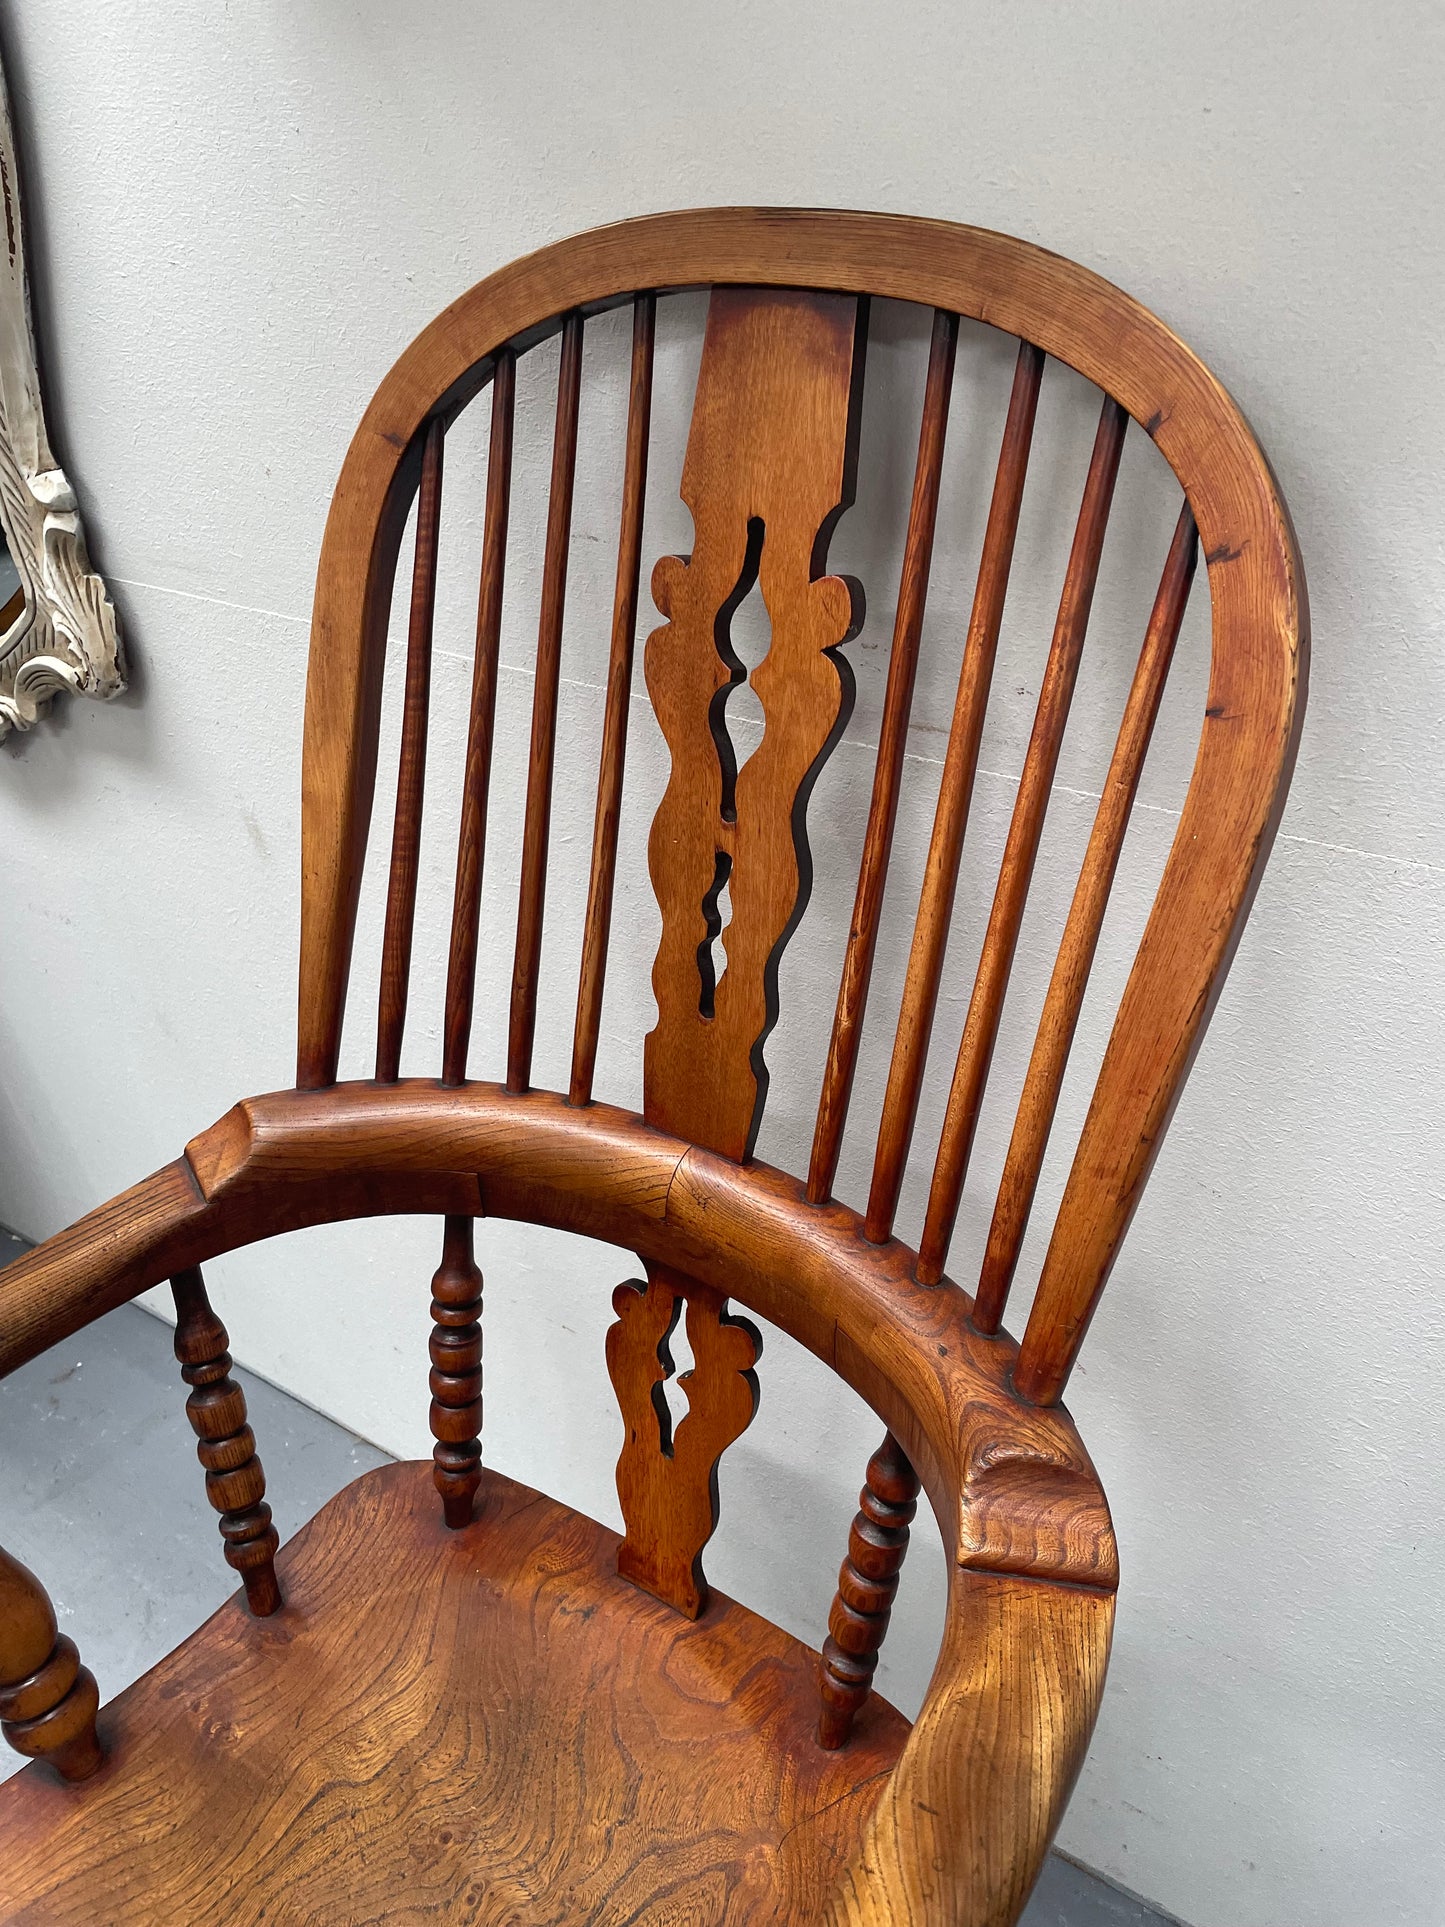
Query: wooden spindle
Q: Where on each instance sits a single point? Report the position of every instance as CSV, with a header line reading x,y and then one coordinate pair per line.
x,y
533,892
867,1586
235,1482
598,924
48,1700
1081,932
476,781
888,772
955,795
980,1030
456,1374
411,777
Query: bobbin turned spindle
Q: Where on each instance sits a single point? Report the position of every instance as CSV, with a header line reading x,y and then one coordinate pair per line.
x,y
867,1585
48,1700
235,1482
456,1374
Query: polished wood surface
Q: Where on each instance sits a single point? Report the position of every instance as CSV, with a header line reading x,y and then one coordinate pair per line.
x,y
1081,932
842,1059
952,1828
226,1445
488,1726
477,776
1010,1481
411,779
667,1476
955,793
867,1587
1056,693
1016,1500
1259,616
612,761
536,828
769,467
456,1373
48,1700
962,1826
163,1224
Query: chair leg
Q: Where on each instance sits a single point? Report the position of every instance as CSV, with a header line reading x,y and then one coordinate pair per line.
x,y
48,1700
235,1482
867,1585
456,1374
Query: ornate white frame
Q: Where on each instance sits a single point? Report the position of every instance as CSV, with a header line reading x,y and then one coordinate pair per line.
x,y
66,637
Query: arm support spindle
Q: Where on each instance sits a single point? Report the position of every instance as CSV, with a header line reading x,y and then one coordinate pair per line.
x,y
235,1482
867,1586
456,1374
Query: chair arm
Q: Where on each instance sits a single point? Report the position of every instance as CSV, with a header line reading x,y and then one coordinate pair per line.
x,y
108,1256
164,1225
962,1827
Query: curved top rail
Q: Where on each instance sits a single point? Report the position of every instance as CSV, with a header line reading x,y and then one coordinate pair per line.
x,y
1259,629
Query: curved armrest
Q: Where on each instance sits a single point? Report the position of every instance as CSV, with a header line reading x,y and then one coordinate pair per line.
x,y
961,1830
166,1224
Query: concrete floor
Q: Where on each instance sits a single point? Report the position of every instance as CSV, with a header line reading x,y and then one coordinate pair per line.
x,y
102,1496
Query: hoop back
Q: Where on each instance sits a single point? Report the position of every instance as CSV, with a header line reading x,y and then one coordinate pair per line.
x,y
769,466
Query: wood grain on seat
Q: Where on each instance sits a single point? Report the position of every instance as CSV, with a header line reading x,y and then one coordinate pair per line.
x,y
495,1711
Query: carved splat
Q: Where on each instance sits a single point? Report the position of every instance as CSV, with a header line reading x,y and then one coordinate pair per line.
x,y
769,469
666,1476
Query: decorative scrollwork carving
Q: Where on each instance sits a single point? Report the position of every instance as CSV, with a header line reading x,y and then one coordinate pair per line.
x,y
666,1476
769,469
65,636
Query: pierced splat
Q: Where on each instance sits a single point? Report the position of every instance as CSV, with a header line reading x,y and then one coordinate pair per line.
x,y
667,1476
770,467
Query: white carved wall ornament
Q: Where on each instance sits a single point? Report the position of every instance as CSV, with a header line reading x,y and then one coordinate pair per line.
x,y
65,635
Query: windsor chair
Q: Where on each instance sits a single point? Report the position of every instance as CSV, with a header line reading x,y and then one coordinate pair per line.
x,y
489,1708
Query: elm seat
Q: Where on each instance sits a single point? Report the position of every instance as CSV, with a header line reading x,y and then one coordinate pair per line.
x,y
490,1708
443,1676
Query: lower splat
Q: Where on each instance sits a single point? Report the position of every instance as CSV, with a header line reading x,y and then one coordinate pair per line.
x,y
667,1476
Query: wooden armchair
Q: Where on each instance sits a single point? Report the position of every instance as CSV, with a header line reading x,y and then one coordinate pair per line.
x,y
483,1706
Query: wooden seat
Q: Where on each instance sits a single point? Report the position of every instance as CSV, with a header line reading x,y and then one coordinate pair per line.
x,y
530,1737
451,1698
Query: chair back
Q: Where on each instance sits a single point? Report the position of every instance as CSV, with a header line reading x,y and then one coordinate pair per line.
x,y
771,465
